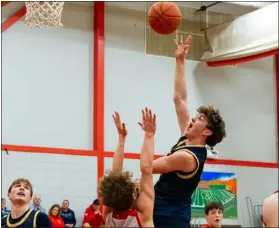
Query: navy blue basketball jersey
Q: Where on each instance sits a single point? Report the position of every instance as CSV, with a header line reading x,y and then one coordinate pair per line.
x,y
27,220
173,191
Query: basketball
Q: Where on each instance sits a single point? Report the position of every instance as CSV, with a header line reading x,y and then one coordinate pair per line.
x,y
164,17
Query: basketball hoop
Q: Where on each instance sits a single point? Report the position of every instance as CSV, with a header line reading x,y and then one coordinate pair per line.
x,y
44,14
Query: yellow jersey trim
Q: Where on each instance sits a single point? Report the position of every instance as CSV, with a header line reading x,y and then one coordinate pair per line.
x,y
194,173
20,222
180,143
35,219
201,146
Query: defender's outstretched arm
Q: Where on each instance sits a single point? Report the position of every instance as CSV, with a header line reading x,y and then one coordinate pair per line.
x,y
145,201
118,157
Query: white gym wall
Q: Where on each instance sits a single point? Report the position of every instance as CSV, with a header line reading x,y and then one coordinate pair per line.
x,y
47,100
47,93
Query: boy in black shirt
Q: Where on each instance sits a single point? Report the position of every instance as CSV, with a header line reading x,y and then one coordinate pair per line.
x,y
20,194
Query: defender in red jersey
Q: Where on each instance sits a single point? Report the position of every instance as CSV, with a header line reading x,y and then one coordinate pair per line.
x,y
123,206
213,215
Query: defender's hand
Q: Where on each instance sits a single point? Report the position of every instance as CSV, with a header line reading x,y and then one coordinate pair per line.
x,y
121,128
182,47
148,122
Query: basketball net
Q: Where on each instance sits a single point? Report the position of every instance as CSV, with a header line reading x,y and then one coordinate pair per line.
x,y
44,14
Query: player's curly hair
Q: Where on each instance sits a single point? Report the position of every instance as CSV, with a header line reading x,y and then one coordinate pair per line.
x,y
215,123
117,190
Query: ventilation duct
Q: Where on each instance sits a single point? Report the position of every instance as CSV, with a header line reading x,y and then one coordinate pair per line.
x,y
251,4
248,35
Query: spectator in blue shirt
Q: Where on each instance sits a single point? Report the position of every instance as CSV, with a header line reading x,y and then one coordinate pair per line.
x,y
4,210
68,215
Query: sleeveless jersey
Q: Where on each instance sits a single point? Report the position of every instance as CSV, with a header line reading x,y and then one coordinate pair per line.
x,y
173,191
127,218
28,220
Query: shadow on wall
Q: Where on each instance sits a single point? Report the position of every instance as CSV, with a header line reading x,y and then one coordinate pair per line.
x,y
245,96
212,83
263,65
248,86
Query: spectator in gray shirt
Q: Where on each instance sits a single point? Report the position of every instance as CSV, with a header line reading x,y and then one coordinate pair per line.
x,y
36,203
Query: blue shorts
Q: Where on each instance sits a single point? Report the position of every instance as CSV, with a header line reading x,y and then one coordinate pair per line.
x,y
170,222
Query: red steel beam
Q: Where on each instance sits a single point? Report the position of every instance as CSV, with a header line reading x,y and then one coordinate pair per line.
x,y
243,59
127,155
242,163
13,19
99,102
4,3
47,150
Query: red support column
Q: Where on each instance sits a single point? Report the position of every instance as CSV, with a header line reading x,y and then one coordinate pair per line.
x,y
99,49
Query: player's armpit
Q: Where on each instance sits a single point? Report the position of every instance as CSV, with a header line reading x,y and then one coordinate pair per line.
x,y
145,201
178,161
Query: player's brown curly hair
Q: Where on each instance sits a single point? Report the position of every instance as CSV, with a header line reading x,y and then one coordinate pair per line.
x,y
117,190
215,123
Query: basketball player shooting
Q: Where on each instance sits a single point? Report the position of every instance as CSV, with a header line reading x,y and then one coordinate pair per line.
x,y
182,168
